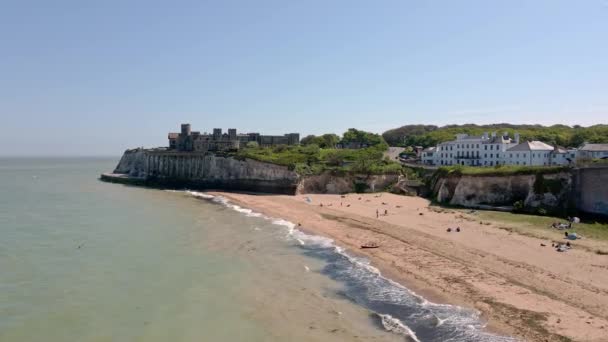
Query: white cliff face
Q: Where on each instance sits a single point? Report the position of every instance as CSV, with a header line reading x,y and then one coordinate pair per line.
x,y
492,190
534,191
206,170
328,183
212,171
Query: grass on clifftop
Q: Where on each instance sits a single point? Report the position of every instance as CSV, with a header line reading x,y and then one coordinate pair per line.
x,y
311,159
499,170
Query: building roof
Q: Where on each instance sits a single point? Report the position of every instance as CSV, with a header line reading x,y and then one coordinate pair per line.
x,y
430,149
594,147
559,149
173,135
472,137
531,146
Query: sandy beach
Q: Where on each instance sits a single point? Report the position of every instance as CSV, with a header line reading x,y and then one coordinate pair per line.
x,y
522,288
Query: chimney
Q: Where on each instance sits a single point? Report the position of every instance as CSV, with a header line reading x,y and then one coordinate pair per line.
x,y
485,136
517,138
493,134
186,129
217,133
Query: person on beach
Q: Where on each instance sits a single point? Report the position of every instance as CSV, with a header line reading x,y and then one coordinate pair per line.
x,y
377,213
385,212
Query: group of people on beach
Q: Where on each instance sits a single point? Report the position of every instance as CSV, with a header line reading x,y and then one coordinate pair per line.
x,y
378,213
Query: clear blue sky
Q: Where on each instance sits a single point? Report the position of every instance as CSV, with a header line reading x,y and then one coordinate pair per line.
x,y
96,77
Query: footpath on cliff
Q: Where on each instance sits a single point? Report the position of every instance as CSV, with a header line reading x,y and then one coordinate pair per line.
x,y
522,286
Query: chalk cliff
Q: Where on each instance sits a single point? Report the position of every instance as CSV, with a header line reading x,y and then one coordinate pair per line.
x,y
329,183
196,170
550,192
212,171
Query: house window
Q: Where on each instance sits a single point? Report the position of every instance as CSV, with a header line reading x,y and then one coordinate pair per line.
x,y
485,147
477,145
491,163
524,163
517,163
485,155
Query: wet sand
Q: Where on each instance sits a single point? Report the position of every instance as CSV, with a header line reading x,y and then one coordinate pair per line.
x,y
522,289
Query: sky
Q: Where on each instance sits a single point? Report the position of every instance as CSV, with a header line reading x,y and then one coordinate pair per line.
x,y
98,77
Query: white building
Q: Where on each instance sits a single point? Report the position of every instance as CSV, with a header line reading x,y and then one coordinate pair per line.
x,y
486,150
593,151
562,156
427,156
468,150
529,153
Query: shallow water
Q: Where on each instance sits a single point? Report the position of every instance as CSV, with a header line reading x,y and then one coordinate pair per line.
x,y
82,260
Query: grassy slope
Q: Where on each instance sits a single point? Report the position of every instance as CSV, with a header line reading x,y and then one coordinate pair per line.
x,y
503,170
314,160
540,226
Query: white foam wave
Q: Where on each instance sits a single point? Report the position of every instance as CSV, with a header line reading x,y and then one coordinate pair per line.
x,y
200,194
392,324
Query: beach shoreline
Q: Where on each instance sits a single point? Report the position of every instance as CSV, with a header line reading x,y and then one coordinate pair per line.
x,y
521,290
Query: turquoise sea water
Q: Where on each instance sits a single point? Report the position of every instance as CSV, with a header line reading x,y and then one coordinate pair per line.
x,y
83,260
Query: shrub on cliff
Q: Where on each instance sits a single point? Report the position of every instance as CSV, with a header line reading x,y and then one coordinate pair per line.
x,y
503,170
310,159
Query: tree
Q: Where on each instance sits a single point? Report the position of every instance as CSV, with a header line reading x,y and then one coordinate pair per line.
x,y
366,159
328,140
252,144
307,140
356,136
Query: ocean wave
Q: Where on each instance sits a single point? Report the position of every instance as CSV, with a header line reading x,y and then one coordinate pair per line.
x,y
400,309
394,325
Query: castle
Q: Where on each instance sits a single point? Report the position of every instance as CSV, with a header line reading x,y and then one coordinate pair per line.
x,y
189,141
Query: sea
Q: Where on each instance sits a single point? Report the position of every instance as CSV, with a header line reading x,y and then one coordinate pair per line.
x,y
84,260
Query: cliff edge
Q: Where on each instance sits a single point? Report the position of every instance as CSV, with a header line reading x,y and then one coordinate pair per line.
x,y
201,171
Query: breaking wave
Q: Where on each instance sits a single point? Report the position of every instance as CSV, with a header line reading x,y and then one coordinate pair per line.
x,y
399,309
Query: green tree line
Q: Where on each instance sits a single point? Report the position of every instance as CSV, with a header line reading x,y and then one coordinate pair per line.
x,y
561,135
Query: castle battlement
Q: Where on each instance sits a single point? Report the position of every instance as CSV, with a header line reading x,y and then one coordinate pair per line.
x,y
192,141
